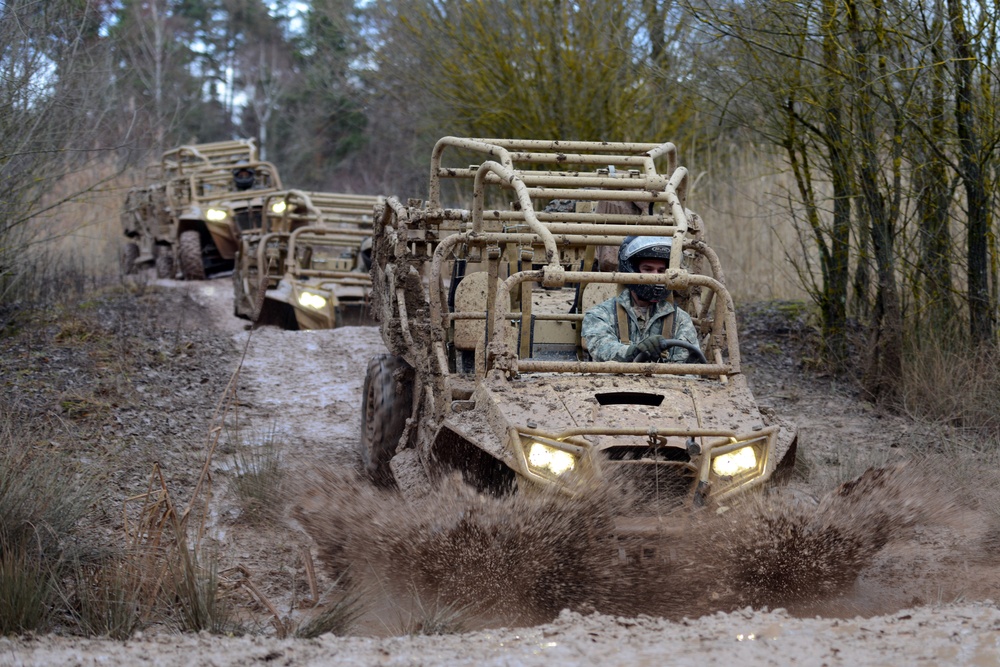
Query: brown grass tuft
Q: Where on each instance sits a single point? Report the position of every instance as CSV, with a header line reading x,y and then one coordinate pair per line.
x,y
108,597
258,474
27,590
958,386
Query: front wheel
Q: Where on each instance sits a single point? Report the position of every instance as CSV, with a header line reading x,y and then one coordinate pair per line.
x,y
130,253
386,402
164,262
190,255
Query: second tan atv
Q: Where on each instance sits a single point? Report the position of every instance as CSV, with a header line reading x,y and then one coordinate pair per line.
x,y
307,267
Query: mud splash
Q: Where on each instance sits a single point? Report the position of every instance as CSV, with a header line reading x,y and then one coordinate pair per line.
x,y
520,560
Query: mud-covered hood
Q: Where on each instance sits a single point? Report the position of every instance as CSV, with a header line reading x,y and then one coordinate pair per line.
x,y
556,404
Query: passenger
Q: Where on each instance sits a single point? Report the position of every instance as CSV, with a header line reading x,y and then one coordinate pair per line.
x,y
652,318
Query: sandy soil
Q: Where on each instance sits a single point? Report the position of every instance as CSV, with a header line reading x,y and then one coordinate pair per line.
x,y
921,596
943,635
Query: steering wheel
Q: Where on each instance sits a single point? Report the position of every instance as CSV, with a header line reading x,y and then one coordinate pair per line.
x,y
676,342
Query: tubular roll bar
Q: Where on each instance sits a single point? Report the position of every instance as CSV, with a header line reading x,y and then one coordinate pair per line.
x,y
218,154
317,230
508,151
672,279
512,180
584,235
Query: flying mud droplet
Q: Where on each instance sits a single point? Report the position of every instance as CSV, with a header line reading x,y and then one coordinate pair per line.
x,y
522,558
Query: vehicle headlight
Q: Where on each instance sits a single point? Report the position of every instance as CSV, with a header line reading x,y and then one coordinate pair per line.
x,y
216,214
550,459
735,462
312,300
279,207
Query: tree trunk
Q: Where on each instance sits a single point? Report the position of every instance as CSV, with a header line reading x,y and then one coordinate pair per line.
x,y
933,201
835,297
973,178
884,368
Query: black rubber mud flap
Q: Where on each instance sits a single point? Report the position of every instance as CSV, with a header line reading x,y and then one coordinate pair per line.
x,y
386,402
787,463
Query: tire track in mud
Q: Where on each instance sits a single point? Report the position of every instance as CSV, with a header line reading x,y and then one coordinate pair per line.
x,y
308,384
305,385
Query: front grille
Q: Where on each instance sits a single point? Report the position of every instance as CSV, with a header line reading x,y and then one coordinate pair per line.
x,y
249,219
660,476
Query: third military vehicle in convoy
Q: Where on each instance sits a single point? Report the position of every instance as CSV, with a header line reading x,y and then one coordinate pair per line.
x,y
189,217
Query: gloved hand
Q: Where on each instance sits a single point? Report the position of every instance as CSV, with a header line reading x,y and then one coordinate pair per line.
x,y
647,349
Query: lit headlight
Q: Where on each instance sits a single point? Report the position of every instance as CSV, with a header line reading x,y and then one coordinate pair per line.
x,y
216,214
278,207
735,462
550,459
311,300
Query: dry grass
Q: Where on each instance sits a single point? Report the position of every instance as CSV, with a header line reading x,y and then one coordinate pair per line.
x,y
258,473
40,503
108,597
26,592
337,615
741,195
68,247
957,386
195,586
435,618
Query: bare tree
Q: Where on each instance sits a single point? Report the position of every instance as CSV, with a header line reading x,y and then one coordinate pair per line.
x,y
57,114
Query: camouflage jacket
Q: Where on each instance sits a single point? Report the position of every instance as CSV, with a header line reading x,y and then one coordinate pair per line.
x,y
600,329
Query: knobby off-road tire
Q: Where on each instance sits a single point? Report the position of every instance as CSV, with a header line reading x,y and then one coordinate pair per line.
x,y
164,261
130,253
385,405
189,254
241,303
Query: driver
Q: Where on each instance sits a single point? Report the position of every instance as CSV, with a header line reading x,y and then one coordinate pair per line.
x,y
244,177
650,316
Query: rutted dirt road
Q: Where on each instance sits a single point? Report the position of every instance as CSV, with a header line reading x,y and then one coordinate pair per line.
x,y
922,600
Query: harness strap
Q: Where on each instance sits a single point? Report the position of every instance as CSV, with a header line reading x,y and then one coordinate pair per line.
x,y
667,331
622,324
668,325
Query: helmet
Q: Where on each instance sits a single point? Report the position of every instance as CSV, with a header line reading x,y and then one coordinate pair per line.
x,y
634,248
366,254
243,177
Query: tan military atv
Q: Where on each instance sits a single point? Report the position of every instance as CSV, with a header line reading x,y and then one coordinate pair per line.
x,y
214,193
147,227
481,310
307,267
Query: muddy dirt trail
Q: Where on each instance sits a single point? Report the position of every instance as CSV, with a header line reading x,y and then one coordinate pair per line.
x,y
898,570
